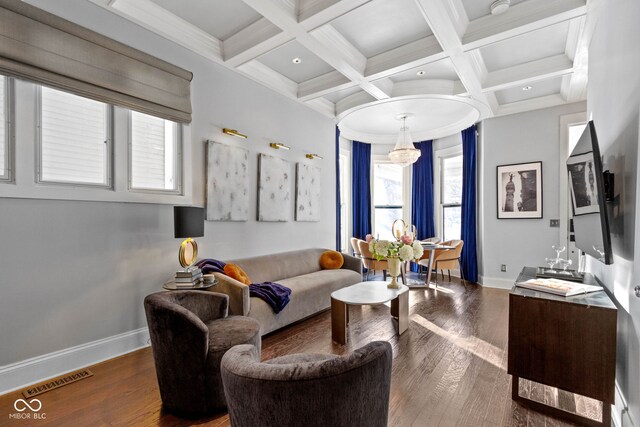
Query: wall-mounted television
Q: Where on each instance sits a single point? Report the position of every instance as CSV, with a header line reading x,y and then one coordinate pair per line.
x,y
586,186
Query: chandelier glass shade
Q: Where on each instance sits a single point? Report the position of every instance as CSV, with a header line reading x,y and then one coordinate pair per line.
x,y
404,153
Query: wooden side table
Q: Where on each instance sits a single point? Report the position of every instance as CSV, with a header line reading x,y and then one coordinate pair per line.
x,y
563,342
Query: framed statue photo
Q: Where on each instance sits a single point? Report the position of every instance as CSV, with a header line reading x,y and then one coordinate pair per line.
x,y
584,191
520,190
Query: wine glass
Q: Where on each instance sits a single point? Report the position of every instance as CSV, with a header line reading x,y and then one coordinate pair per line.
x,y
551,262
564,263
559,249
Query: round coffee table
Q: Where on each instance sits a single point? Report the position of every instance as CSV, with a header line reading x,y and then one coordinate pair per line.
x,y
367,293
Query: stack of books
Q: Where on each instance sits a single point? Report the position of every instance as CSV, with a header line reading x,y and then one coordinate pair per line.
x,y
188,278
559,287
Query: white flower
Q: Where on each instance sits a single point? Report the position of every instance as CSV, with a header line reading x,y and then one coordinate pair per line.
x,y
406,253
417,250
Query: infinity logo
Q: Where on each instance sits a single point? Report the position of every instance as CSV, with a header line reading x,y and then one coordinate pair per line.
x,y
25,405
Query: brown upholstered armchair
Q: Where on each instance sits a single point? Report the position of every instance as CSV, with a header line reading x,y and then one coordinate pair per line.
x,y
310,390
190,332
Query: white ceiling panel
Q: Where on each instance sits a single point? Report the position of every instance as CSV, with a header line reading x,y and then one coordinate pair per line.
x,y
280,60
341,94
527,47
220,18
538,89
436,70
478,8
382,25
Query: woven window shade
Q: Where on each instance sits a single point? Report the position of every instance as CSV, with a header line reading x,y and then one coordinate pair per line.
x,y
44,48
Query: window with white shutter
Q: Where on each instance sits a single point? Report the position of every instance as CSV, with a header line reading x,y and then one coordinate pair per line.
x,y
75,145
4,129
154,153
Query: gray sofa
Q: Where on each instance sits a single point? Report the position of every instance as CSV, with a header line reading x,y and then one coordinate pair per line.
x,y
300,271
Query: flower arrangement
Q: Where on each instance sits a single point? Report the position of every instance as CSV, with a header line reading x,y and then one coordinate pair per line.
x,y
405,248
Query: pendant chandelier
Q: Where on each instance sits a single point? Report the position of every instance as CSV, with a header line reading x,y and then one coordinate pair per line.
x,y
404,153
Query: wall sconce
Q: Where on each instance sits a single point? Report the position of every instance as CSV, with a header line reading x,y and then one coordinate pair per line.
x,y
233,132
313,156
278,145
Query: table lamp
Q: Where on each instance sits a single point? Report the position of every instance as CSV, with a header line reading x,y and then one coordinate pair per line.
x,y
188,222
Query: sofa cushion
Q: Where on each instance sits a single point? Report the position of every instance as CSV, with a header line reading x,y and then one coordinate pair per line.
x,y
330,260
275,267
310,293
237,273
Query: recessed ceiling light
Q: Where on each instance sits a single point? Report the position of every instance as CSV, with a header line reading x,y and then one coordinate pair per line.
x,y
499,6
296,60
421,73
527,88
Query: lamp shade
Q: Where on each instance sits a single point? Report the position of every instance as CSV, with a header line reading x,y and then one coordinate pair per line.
x,y
188,221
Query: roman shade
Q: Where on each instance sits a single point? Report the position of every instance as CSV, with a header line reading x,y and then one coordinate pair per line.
x,y
38,46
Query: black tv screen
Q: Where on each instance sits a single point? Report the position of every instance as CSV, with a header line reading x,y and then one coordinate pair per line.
x,y
586,186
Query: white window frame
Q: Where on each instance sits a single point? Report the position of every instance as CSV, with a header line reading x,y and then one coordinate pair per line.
x,y
177,160
25,160
345,192
9,103
407,173
108,185
440,156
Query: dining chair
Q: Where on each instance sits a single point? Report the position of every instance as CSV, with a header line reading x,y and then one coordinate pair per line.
x,y
449,259
424,260
355,247
370,263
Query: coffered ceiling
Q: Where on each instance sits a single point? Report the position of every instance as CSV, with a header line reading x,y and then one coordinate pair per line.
x,y
360,53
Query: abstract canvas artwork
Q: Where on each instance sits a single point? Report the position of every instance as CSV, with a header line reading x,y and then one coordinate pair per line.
x,y
307,193
227,183
274,189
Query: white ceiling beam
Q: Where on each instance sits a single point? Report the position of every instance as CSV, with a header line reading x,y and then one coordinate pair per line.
x,y
323,106
319,86
529,72
530,104
580,34
405,57
329,36
160,21
315,13
253,41
261,73
442,17
278,12
519,19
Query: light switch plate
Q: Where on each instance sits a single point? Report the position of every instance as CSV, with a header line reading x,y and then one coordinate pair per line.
x,y
554,223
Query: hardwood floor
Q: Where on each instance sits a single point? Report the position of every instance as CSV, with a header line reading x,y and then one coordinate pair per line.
x,y
449,369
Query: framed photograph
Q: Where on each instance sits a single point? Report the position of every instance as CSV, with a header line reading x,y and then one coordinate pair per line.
x,y
520,190
582,183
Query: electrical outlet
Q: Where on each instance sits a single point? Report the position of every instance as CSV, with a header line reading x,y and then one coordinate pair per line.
x,y
503,267
554,223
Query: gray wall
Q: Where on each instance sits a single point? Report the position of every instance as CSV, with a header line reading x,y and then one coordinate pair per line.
x,y
614,100
518,138
75,272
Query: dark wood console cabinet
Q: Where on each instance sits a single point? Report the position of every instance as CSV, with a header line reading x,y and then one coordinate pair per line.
x,y
563,342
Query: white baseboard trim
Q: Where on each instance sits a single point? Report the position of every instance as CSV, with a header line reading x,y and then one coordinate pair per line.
x,y
496,282
21,374
620,416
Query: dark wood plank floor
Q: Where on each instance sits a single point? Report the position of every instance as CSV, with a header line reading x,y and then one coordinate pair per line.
x,y
449,369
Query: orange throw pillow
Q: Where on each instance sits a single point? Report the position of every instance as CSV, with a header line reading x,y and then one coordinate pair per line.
x,y
331,260
235,272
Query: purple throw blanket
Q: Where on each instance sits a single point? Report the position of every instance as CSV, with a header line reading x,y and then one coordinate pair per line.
x,y
211,266
274,294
